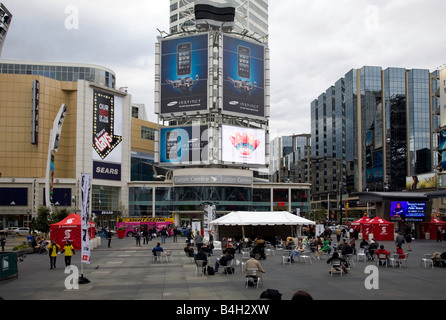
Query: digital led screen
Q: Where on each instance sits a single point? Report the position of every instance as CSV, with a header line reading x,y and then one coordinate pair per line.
x,y
185,145
243,145
407,211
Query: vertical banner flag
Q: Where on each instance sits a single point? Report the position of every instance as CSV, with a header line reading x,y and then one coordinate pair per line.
x,y
85,205
209,216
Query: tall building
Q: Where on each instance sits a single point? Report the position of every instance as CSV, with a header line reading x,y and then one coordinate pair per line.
x,y
374,130
251,16
5,21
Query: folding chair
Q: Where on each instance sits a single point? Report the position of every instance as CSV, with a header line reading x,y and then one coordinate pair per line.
x,y
426,260
336,267
305,256
382,260
200,266
361,255
157,257
252,275
286,257
167,255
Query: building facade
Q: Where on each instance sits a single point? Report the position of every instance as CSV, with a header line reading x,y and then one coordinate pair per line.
x,y
374,130
249,15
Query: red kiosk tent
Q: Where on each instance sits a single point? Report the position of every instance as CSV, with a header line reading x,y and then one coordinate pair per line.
x,y
70,229
432,228
381,229
358,223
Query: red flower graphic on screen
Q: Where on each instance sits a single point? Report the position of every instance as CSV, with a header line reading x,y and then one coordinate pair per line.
x,y
244,143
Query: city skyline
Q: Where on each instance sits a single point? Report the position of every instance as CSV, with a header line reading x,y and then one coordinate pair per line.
x,y
312,44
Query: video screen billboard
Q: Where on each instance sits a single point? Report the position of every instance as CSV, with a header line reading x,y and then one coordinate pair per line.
x,y
407,211
243,145
243,77
184,145
184,74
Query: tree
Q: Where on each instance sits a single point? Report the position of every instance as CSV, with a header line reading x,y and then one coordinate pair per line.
x,y
43,219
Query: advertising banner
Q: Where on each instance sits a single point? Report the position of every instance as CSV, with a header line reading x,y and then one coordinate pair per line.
x,y
184,74
85,207
185,145
107,136
243,145
243,77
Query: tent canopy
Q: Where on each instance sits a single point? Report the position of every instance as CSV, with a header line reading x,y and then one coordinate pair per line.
x,y
242,224
255,218
360,221
70,229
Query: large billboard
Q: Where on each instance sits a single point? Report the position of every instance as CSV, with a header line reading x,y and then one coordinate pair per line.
x,y
184,74
107,136
184,145
243,145
243,77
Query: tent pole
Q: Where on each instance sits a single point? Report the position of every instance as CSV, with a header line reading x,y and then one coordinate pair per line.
x,y
243,233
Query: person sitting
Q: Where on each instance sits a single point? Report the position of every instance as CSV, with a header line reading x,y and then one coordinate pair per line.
x,y
289,243
189,250
223,260
336,256
382,251
253,263
201,255
300,248
401,255
372,248
157,248
259,248
346,249
230,249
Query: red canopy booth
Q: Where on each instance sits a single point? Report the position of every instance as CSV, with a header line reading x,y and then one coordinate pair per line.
x,y
432,227
358,223
70,229
381,229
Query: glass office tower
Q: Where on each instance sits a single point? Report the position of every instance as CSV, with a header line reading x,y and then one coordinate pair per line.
x,y
372,129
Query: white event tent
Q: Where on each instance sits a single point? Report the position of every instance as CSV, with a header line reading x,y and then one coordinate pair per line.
x,y
242,224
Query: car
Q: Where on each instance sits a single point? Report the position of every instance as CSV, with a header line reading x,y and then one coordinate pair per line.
x,y
22,231
7,231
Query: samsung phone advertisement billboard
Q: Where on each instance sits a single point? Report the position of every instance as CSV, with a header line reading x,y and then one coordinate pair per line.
x,y
243,77
243,145
184,74
184,145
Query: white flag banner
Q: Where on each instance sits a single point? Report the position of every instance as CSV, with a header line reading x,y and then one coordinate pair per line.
x,y
85,206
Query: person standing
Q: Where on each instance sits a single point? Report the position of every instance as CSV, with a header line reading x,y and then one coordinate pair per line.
x,y
53,248
69,251
211,243
109,237
3,242
408,239
138,238
175,234
198,241
439,234
163,235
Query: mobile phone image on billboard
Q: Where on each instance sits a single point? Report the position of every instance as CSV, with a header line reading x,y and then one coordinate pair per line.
x,y
171,145
184,59
244,62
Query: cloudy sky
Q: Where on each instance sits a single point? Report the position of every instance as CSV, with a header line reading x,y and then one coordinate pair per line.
x,y
313,43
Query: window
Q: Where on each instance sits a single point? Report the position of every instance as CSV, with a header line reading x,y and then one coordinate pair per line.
x,y
147,133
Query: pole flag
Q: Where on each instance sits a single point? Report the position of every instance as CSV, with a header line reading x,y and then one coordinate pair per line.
x,y
85,206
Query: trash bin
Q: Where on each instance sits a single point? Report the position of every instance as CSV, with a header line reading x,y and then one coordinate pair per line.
x,y
8,265
427,236
370,236
360,236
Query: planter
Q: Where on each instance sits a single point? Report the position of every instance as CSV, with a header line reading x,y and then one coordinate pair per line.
x,y
121,234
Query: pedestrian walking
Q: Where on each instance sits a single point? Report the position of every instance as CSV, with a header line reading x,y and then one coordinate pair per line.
x,y
109,237
198,241
175,234
163,235
53,249
68,250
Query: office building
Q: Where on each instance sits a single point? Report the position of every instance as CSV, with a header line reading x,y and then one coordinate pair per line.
x,y
374,130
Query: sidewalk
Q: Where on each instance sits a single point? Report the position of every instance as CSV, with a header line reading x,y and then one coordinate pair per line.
x,y
126,272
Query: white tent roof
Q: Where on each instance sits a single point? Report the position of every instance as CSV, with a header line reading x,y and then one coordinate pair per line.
x,y
255,218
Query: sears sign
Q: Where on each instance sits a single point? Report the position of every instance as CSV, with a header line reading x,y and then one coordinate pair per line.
x,y
106,171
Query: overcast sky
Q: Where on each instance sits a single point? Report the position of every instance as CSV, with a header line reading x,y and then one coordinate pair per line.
x,y
313,43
